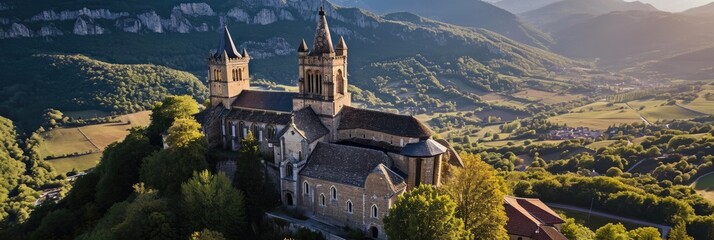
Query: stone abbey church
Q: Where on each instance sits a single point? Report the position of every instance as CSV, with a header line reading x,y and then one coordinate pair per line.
x,y
341,165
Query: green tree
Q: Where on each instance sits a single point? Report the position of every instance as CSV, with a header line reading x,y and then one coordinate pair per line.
x,y
423,213
612,232
119,168
645,233
252,178
679,232
613,172
574,231
478,193
210,201
168,168
164,113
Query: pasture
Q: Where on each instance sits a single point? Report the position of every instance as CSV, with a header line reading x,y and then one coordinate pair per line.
x,y
85,144
705,186
599,120
546,97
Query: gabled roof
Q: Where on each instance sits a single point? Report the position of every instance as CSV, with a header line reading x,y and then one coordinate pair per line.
x,y
343,164
259,116
538,209
323,40
396,183
309,124
423,148
523,222
226,45
389,123
454,158
265,100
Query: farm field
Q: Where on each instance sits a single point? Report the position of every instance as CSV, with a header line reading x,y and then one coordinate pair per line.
x,y
598,120
87,142
600,106
546,97
600,144
702,103
519,143
669,112
705,186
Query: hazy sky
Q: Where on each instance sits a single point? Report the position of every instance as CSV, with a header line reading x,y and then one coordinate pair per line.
x,y
675,5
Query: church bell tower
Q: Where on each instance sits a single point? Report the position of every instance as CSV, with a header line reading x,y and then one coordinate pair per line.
x,y
322,79
228,73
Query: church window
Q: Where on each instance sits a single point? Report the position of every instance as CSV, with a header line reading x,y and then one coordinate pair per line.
x,y
241,125
375,213
322,200
289,170
349,206
260,135
255,129
240,74
233,130
270,132
333,192
306,187
340,82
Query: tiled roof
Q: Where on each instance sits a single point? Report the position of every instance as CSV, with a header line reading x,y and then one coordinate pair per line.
x,y
523,222
309,124
343,164
260,116
265,100
539,210
423,148
396,182
371,144
389,123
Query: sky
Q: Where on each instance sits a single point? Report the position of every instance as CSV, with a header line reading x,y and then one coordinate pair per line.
x,y
675,5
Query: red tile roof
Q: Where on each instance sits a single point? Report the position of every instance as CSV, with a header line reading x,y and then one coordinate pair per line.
x,y
531,218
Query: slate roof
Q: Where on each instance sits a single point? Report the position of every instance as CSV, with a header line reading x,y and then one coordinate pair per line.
x,y
260,116
323,40
265,100
303,47
423,148
396,182
309,124
226,45
389,123
523,222
343,164
371,144
211,114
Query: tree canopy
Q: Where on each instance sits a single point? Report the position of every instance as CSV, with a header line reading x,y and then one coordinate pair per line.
x,y
424,213
210,202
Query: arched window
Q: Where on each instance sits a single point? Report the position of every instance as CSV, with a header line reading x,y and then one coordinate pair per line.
x,y
270,132
375,213
340,82
318,83
289,170
233,73
240,74
241,126
349,206
306,187
308,81
333,193
255,129
322,199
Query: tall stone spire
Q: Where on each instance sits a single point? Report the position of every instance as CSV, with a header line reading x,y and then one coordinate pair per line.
x,y
323,40
226,45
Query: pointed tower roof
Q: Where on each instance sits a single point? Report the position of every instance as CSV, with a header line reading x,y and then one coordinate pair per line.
x,y
342,44
303,46
245,53
226,45
323,40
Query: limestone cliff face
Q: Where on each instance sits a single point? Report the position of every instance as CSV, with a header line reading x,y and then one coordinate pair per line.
x,y
182,18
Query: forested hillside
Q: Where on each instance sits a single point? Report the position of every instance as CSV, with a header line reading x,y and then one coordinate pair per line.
x,y
76,82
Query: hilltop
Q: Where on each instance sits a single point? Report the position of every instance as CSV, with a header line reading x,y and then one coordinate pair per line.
x,y
555,16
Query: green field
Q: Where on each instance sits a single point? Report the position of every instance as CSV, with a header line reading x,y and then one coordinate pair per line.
x,y
600,144
91,138
84,162
546,97
669,112
705,186
599,120
599,106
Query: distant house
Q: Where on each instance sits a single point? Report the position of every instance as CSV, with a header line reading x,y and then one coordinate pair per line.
x,y
530,218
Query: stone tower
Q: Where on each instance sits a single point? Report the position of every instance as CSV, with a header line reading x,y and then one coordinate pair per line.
x,y
322,79
227,71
